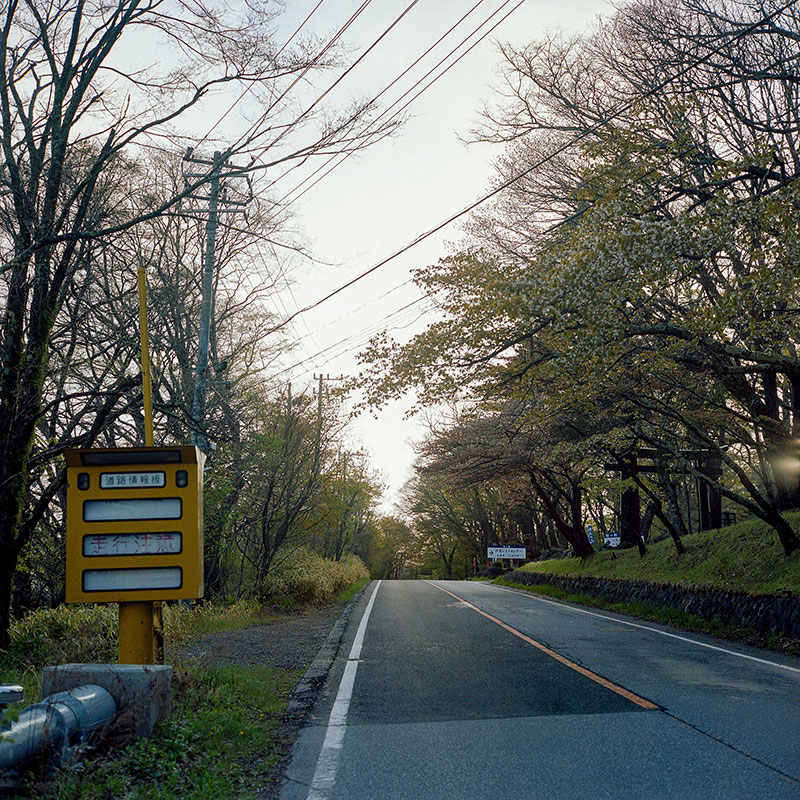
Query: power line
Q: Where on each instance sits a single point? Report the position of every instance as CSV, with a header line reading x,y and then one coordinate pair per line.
x,y
366,131
251,84
365,333
345,156
304,152
321,97
537,165
362,307
253,128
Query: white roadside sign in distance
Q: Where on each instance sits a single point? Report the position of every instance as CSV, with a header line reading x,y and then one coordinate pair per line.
x,y
507,552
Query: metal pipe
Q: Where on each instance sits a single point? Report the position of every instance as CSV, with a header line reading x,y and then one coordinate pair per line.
x,y
48,730
10,693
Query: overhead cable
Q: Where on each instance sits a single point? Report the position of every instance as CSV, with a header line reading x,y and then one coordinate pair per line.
x,y
535,166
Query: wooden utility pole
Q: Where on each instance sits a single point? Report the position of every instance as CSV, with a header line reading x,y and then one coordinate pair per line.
x,y
218,203
321,378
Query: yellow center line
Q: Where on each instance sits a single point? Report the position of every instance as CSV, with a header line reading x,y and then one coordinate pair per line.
x,y
628,695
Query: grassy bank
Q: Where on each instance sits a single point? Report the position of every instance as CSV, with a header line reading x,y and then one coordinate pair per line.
x,y
220,743
744,557
225,734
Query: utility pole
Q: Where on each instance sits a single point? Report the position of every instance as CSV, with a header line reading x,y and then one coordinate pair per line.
x,y
215,198
321,378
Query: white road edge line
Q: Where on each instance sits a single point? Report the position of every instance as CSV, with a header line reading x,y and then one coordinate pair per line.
x,y
328,762
653,630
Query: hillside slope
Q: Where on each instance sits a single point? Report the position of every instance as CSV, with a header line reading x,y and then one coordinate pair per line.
x,y
745,557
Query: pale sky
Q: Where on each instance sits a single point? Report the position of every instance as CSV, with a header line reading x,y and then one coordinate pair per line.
x,y
382,199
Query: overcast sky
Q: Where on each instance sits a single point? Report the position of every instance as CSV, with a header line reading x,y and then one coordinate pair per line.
x,y
382,199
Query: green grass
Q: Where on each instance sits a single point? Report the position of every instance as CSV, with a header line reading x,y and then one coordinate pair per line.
x,y
665,616
224,734
218,744
56,636
181,623
344,597
306,577
744,557
88,634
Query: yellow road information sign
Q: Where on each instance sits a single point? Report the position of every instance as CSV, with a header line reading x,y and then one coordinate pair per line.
x,y
134,524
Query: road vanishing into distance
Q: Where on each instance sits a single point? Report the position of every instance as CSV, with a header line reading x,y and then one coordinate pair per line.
x,y
445,689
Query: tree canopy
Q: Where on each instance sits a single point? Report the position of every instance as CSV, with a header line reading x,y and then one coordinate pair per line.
x,y
635,285
93,129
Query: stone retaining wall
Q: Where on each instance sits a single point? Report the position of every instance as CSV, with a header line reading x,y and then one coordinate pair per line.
x,y
766,613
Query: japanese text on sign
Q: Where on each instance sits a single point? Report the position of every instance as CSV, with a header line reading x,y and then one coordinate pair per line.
x,y
132,480
131,544
508,551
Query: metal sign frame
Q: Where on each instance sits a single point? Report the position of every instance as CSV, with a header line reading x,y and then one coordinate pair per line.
x,y
134,524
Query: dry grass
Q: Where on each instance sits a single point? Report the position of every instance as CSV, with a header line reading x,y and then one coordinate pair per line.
x,y
309,578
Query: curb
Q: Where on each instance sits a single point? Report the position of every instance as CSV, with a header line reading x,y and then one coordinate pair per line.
x,y
303,697
305,692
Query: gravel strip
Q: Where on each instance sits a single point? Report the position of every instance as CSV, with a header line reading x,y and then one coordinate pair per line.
x,y
291,641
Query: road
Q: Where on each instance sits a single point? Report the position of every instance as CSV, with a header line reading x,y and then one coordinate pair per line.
x,y
465,690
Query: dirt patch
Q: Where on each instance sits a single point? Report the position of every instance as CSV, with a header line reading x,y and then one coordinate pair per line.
x,y
291,641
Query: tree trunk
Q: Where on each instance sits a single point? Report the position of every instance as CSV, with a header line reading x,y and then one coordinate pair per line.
x,y
782,452
673,532
8,561
13,492
673,520
630,511
793,496
575,536
649,514
788,537
708,495
582,546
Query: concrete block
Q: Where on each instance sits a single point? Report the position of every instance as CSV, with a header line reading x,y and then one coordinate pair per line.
x,y
142,692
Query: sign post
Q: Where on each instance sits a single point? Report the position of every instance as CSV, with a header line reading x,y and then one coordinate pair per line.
x,y
134,534
136,633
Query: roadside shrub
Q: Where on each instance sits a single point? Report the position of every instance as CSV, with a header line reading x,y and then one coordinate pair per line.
x,y
88,633
305,577
80,633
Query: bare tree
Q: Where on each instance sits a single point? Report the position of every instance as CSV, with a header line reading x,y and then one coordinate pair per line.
x,y
80,98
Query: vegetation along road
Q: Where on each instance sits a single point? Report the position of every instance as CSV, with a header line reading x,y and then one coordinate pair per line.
x,y
469,690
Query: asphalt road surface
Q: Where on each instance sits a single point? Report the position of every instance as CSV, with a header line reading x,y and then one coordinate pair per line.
x,y
467,690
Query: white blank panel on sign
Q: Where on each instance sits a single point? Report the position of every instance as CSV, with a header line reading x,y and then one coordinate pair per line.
x,y
108,580
133,509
